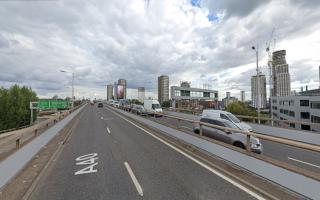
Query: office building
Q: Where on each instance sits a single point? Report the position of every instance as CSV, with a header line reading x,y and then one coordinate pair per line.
x,y
280,74
141,94
227,100
109,92
115,91
163,88
243,96
258,101
303,108
123,82
184,96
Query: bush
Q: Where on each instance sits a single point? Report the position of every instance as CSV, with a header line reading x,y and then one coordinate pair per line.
x,y
15,106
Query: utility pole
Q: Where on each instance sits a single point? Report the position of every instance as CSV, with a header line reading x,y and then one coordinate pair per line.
x,y
72,84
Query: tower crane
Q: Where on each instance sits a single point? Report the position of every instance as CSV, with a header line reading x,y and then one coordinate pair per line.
x,y
270,63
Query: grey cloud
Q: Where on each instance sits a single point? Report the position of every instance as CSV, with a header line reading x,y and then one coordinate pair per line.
x,y
103,41
234,7
3,42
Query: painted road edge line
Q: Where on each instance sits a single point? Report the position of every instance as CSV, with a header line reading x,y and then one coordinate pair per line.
x,y
306,163
247,190
134,179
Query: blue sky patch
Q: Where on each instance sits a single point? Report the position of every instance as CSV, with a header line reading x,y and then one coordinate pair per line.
x,y
212,17
196,3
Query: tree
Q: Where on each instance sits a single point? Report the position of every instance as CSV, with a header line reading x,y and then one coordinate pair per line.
x,y
14,106
166,104
135,101
239,108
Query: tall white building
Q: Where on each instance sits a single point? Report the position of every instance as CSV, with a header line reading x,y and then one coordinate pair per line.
x,y
280,74
163,88
109,92
243,96
259,101
141,94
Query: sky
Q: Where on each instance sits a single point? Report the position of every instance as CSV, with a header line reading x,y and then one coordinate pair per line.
x,y
200,41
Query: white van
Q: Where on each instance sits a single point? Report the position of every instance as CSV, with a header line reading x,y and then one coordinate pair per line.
x,y
152,106
216,114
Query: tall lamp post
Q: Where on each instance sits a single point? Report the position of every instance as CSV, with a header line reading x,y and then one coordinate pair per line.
x,y
258,82
63,71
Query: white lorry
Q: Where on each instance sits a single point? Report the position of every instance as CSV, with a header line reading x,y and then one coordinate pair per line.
x,y
152,106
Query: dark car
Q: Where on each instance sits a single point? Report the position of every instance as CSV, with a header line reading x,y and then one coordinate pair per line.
x,y
100,105
139,110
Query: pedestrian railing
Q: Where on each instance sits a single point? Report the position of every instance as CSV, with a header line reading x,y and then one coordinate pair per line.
x,y
280,140
23,135
253,119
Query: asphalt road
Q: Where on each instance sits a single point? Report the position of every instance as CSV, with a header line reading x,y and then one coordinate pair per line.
x,y
298,157
117,160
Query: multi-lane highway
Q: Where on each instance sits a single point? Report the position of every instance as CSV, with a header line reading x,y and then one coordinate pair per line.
x,y
110,158
294,156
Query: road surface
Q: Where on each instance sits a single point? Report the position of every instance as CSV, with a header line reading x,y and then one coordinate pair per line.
x,y
110,158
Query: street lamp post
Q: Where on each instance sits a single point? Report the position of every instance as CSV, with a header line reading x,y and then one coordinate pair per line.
x,y
72,83
258,81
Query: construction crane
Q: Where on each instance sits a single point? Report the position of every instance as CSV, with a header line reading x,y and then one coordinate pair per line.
x,y
270,62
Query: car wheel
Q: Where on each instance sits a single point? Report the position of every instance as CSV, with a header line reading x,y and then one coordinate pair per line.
x,y
196,131
239,144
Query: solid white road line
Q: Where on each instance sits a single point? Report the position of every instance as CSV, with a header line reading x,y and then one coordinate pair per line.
x,y
238,185
108,130
134,179
300,161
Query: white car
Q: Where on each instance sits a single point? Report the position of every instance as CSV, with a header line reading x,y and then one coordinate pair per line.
x,y
219,114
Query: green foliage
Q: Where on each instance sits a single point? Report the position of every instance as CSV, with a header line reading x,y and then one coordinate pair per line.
x,y
14,106
165,104
135,101
239,108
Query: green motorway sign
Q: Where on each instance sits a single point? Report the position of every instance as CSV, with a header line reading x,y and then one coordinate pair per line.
x,y
47,104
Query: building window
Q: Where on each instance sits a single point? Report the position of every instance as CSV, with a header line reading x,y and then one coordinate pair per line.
x,y
305,127
216,95
315,105
291,103
177,93
305,115
304,103
286,112
185,93
292,125
206,94
315,119
291,113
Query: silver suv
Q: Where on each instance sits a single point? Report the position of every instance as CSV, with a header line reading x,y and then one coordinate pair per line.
x,y
229,137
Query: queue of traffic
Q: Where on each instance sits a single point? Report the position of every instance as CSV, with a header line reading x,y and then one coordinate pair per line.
x,y
214,117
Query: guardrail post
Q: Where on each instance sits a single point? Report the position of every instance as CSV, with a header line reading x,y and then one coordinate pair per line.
x,y
258,120
18,143
272,122
200,130
248,147
178,123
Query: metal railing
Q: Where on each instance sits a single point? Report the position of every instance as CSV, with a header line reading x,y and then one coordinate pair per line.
x,y
23,135
251,118
248,135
